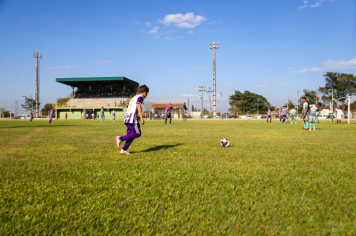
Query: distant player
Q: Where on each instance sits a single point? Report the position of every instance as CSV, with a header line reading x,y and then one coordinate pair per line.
x,y
102,115
313,116
305,112
339,113
168,114
292,115
283,113
331,116
280,115
51,113
31,115
269,116
317,116
113,115
133,109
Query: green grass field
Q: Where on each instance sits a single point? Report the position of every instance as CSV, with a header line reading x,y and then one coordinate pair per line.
x,y
68,178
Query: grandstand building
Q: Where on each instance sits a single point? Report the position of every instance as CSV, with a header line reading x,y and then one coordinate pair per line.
x,y
90,94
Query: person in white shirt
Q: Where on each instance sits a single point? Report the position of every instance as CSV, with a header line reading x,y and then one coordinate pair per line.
x,y
339,113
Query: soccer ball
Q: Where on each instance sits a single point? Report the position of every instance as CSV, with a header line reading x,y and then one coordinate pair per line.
x,y
225,142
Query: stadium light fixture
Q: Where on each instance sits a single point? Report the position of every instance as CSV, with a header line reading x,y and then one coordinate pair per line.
x,y
215,46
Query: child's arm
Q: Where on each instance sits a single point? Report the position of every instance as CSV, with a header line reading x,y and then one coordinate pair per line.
x,y
139,108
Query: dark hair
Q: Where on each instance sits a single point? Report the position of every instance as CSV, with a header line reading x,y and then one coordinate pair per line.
x,y
304,98
319,103
143,88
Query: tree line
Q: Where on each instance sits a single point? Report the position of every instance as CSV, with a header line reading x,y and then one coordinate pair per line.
x,y
338,86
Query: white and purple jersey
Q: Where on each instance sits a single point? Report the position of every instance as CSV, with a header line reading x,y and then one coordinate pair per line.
x,y
51,113
269,113
31,114
284,112
131,110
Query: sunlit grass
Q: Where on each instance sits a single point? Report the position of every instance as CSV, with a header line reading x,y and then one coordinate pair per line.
x,y
69,178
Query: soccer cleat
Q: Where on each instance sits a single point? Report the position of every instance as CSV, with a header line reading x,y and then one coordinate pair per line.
x,y
123,152
314,129
310,129
118,141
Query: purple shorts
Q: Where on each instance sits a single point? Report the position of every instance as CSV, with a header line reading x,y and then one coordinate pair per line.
x,y
283,116
133,128
269,116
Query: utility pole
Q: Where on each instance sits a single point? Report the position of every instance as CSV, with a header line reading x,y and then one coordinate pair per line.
x,y
202,94
209,101
37,55
214,76
16,108
188,107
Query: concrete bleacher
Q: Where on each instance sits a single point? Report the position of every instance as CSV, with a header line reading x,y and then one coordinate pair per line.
x,y
96,102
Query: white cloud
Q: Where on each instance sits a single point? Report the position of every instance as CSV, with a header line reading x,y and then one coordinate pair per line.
x,y
318,3
167,38
304,6
68,67
228,85
154,30
200,68
190,32
137,23
271,70
261,86
333,65
148,24
281,83
188,20
103,62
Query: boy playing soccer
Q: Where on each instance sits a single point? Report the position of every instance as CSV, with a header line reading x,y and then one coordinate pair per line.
x,y
313,116
331,116
31,115
51,113
133,109
168,114
269,116
102,114
305,112
113,115
292,115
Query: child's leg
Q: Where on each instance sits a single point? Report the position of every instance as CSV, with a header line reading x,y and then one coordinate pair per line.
x,y
165,121
314,125
133,131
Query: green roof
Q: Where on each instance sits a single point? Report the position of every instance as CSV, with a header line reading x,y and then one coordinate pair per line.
x,y
75,82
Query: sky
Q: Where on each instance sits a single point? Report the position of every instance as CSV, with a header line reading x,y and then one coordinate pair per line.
x,y
274,48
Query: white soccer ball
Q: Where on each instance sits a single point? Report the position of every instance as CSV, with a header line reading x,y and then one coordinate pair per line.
x,y
225,142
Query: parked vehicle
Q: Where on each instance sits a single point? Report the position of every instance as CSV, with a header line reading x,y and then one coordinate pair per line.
x,y
246,117
263,117
206,117
234,117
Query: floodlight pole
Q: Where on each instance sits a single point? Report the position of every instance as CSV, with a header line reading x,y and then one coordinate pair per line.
x,y
214,76
37,55
25,108
202,94
209,101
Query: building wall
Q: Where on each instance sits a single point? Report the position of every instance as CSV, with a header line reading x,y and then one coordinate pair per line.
x,y
78,113
176,113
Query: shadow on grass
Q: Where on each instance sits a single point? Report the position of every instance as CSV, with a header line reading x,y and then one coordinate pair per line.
x,y
156,148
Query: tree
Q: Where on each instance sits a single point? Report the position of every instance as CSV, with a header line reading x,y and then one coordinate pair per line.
x,y
147,105
193,108
46,109
339,85
30,104
2,110
247,102
7,114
